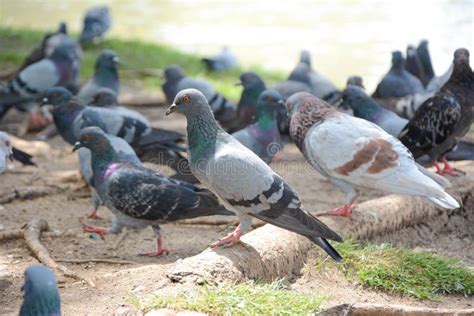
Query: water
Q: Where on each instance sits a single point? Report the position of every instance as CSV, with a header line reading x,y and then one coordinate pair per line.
x,y
345,37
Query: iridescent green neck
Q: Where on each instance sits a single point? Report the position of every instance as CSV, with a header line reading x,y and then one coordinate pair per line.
x,y
265,119
202,134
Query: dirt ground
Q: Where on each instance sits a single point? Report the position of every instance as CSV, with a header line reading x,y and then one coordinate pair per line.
x,y
116,283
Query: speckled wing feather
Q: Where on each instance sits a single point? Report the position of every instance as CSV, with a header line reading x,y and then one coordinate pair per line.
x,y
432,124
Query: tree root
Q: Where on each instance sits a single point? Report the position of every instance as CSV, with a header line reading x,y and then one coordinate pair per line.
x,y
366,309
95,260
32,233
18,233
26,193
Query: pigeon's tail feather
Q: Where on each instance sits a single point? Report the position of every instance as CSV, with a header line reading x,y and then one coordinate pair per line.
x,y
209,63
161,136
442,181
445,201
326,246
22,157
463,151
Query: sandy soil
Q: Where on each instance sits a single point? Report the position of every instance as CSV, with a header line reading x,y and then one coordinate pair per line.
x,y
116,283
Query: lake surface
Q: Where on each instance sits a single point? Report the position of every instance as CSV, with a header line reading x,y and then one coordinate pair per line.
x,y
345,37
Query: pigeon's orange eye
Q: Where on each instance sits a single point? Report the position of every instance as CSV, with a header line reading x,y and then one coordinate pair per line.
x,y
186,99
86,137
269,98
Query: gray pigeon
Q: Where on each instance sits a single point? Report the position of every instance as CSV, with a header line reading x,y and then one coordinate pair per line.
x,y
97,22
41,293
321,87
124,151
105,76
263,137
107,98
12,153
354,153
140,197
225,60
245,183
176,80
58,69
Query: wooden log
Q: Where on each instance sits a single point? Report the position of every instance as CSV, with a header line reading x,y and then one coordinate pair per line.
x,y
366,309
270,252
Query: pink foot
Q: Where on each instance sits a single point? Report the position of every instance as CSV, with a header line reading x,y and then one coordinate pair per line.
x,y
450,170
101,231
160,248
93,215
345,210
278,157
229,240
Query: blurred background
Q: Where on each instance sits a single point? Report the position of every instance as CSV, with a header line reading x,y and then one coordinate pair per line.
x,y
345,37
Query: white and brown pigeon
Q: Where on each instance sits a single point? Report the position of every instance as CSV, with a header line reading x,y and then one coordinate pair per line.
x,y
354,153
243,181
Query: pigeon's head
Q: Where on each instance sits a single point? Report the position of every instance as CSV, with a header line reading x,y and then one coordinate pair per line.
x,y
90,117
304,103
54,97
270,101
355,81
397,59
41,293
353,97
301,74
189,102
62,28
64,52
423,44
305,57
93,138
104,97
6,145
174,73
411,51
250,80
461,57
107,60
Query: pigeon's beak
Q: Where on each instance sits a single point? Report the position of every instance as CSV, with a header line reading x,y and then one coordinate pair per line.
x,y
10,155
238,83
44,102
77,145
45,110
171,109
117,60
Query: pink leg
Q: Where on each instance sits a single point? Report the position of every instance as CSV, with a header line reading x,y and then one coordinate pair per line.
x,y
93,214
101,231
345,210
160,249
229,240
450,170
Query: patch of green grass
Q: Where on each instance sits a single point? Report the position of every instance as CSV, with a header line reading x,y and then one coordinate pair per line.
x,y
238,299
136,56
401,271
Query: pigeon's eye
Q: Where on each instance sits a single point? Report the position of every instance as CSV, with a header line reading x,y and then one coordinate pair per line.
x,y
86,137
186,99
269,98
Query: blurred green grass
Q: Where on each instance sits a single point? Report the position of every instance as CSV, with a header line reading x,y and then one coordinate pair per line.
x,y
140,61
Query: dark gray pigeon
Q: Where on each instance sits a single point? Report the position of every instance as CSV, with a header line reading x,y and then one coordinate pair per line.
x,y
225,60
124,151
398,82
263,137
321,86
414,66
105,76
245,183
425,59
140,197
97,22
58,69
176,80
41,293
442,120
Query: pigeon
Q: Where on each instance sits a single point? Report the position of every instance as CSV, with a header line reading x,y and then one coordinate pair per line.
x,y
140,197
97,22
406,106
414,66
6,151
105,75
444,118
244,183
354,153
322,87
247,106
355,81
107,98
398,82
176,80
437,82
263,137
41,293
364,107
58,69
225,60
425,59
124,151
